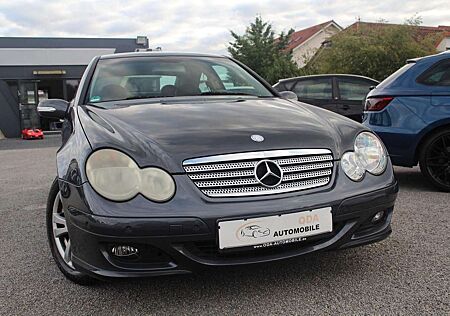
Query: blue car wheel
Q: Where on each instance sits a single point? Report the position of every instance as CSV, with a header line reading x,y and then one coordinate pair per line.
x,y
435,159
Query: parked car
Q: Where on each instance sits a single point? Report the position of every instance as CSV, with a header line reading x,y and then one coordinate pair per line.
x,y
32,133
162,176
410,111
343,94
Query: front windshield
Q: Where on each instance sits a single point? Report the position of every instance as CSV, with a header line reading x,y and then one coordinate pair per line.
x,y
159,77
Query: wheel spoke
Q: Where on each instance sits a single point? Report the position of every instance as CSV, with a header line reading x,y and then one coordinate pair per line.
x,y
56,203
446,145
60,231
436,164
67,253
440,155
58,219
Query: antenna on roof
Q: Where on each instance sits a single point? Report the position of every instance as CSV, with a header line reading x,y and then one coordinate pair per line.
x,y
358,20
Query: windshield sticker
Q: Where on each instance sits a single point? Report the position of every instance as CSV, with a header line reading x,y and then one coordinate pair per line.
x,y
95,99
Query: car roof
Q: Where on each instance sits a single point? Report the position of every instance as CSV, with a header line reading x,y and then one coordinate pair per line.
x,y
158,54
443,55
327,75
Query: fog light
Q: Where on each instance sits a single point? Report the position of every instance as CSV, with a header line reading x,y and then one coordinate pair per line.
x,y
124,251
377,217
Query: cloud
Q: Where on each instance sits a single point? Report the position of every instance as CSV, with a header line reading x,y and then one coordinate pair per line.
x,y
197,25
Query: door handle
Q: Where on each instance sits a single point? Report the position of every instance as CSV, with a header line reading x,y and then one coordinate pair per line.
x,y
345,107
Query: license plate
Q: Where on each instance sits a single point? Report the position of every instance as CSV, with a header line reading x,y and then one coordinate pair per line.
x,y
273,230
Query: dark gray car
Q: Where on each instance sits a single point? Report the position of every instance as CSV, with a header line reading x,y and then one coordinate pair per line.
x,y
169,160
343,94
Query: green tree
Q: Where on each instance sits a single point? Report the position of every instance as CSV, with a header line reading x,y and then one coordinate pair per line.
x,y
261,51
372,50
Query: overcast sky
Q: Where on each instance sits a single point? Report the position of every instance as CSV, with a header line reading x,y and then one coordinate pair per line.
x,y
201,26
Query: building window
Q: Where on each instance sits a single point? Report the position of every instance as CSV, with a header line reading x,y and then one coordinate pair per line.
x,y
27,95
72,87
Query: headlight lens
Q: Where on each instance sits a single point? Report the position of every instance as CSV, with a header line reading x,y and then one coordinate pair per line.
x,y
116,176
352,167
156,184
369,155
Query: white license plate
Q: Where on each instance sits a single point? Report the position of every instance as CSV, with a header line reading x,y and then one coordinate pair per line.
x,y
273,230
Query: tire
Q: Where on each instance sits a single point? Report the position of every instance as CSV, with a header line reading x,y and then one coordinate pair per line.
x,y
434,159
59,244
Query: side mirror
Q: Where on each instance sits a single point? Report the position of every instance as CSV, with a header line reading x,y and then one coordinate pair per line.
x,y
53,108
289,95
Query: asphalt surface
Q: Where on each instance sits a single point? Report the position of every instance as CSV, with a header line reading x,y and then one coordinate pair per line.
x,y
406,274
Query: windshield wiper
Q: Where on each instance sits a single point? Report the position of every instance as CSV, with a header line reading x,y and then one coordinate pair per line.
x,y
226,93
95,105
142,97
235,93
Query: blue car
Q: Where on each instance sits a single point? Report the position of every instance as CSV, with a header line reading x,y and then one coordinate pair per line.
x,y
410,111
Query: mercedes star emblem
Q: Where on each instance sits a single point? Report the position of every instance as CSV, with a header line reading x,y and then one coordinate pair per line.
x,y
257,138
268,173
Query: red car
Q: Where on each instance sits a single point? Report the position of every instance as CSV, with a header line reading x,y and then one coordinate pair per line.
x,y
29,133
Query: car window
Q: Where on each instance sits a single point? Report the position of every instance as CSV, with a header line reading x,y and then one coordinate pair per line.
x,y
438,75
167,81
316,88
231,80
203,85
152,77
395,75
353,89
289,84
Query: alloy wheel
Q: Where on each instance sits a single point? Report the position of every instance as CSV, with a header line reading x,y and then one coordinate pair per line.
x,y
438,159
60,232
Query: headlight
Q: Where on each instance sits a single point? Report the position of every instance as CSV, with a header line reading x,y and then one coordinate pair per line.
x,y
117,177
368,155
156,184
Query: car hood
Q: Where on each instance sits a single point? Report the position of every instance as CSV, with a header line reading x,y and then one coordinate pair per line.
x,y
165,134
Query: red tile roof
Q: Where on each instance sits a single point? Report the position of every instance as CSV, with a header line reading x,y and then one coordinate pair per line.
x,y
442,31
302,36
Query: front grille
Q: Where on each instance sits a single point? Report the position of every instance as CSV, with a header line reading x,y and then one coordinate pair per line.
x,y
234,174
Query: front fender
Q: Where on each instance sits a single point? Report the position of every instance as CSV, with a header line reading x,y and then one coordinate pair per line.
x,y
71,157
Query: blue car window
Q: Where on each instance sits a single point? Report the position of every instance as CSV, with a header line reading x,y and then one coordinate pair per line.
x,y
437,75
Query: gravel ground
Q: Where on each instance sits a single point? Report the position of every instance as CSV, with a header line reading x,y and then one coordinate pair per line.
x,y
406,274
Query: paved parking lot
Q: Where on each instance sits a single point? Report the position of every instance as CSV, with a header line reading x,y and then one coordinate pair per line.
x,y
409,273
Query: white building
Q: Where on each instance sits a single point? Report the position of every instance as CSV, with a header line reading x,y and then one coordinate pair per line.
x,y
305,43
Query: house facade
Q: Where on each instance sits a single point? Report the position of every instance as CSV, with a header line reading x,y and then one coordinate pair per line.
x,y
305,43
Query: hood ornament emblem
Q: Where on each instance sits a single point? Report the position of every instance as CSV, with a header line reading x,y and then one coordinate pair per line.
x,y
257,138
268,173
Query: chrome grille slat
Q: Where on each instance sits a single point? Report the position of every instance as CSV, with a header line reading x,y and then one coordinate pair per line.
x,y
295,168
221,176
299,160
221,166
260,190
226,174
226,183
305,175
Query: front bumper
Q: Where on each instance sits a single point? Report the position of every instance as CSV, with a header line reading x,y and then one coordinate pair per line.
x,y
175,245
